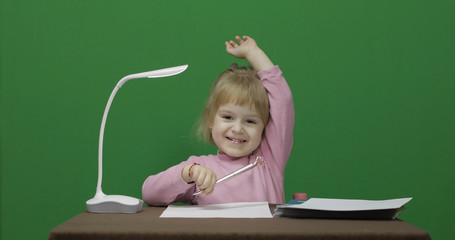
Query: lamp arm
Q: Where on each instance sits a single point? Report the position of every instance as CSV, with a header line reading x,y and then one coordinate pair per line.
x,y
99,191
166,72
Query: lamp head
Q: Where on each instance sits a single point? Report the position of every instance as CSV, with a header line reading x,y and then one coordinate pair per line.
x,y
165,72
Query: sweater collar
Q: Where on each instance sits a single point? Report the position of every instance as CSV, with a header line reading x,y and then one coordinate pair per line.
x,y
225,157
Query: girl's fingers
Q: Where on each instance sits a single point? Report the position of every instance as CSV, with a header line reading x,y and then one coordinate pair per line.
x,y
239,39
209,190
200,178
194,173
206,183
213,182
211,187
233,44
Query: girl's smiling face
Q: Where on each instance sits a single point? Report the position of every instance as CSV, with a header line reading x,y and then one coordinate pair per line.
x,y
237,130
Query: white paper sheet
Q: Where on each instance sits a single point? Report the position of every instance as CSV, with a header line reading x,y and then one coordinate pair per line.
x,y
351,204
225,210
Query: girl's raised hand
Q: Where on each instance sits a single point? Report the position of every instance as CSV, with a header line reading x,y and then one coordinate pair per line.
x,y
246,48
242,48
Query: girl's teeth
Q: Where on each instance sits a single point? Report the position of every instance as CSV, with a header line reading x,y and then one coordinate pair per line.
x,y
236,140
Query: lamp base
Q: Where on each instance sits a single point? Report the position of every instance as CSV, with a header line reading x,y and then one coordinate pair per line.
x,y
114,204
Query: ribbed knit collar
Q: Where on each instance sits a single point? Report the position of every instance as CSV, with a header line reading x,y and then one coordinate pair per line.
x,y
240,160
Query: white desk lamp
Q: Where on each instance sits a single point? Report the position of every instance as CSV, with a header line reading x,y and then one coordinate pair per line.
x,y
103,203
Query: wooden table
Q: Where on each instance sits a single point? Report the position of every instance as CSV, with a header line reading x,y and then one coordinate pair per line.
x,y
148,225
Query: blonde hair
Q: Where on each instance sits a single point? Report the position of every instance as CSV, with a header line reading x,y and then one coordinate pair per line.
x,y
240,86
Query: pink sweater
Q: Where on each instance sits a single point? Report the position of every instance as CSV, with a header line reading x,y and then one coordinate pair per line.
x,y
261,184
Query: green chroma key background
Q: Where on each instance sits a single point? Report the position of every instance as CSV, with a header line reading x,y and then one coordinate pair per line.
x,y
373,85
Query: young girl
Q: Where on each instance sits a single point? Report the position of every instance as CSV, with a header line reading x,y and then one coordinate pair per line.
x,y
249,113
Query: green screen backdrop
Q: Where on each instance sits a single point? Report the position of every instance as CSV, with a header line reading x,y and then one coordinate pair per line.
x,y
373,86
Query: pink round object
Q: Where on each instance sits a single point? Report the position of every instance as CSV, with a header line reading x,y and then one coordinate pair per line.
x,y
300,196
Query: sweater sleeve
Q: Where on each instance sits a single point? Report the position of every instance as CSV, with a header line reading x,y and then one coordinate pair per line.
x,y
277,144
167,187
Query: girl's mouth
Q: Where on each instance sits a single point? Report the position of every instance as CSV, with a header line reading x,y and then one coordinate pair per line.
x,y
235,140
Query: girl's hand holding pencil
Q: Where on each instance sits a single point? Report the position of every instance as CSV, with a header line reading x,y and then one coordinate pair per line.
x,y
204,177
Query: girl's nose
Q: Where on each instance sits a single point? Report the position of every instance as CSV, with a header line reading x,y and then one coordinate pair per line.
x,y
237,127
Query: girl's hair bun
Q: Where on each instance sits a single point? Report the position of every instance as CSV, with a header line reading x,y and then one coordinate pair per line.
x,y
234,66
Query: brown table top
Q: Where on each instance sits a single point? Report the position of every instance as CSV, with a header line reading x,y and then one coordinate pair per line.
x,y
147,225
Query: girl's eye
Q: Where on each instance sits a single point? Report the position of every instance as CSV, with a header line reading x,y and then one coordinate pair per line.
x,y
249,121
227,117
